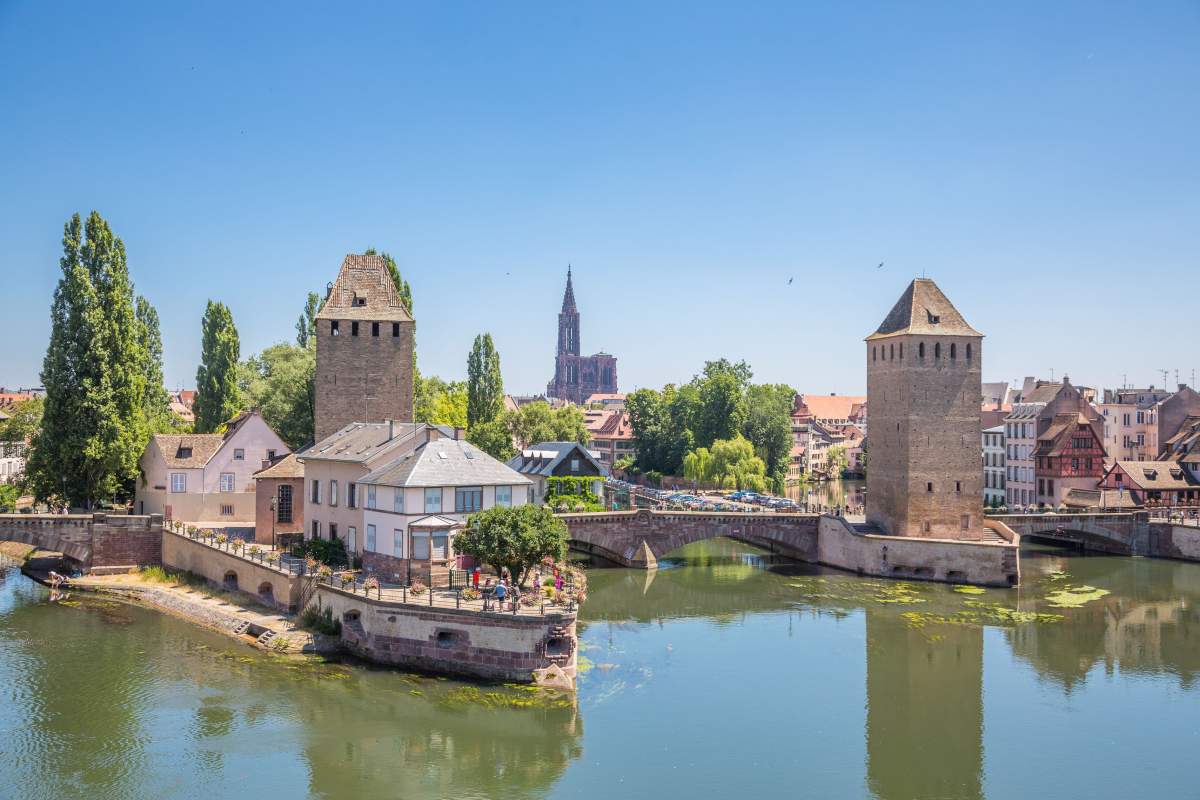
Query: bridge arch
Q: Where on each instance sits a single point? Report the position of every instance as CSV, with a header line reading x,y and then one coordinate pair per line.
x,y
639,538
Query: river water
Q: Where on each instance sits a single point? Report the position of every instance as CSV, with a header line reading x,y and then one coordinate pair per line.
x,y
722,674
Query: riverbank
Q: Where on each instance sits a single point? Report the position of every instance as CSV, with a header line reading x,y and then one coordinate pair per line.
x,y
213,609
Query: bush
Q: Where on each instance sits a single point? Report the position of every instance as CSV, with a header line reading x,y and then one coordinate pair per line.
x,y
324,551
321,620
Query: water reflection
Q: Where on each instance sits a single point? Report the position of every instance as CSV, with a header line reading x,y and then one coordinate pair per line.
x,y
725,671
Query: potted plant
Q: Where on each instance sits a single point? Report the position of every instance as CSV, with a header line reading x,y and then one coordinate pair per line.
x,y
324,572
347,578
254,551
371,584
417,588
222,538
272,557
469,594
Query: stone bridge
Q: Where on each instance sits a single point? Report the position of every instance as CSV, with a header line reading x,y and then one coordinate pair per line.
x,y
91,542
1126,533
640,538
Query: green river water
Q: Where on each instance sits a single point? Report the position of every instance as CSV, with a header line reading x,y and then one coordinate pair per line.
x,y
722,674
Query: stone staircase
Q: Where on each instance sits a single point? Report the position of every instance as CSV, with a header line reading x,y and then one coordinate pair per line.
x,y
266,637
241,629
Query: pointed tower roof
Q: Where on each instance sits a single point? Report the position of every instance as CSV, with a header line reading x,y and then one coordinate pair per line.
x,y
923,309
568,306
364,291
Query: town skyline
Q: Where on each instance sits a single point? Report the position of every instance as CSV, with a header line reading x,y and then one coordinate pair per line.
x,y
735,206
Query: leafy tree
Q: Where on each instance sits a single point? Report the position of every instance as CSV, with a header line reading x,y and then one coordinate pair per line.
x,y
280,383
768,426
306,326
733,464
25,420
485,386
513,538
493,438
439,402
538,422
722,410
9,495
835,460
157,403
95,424
217,396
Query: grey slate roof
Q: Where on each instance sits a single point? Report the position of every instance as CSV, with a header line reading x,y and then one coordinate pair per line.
x,y
924,310
363,441
444,462
543,457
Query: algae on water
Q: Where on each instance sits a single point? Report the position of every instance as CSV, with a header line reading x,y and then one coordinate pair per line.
x,y
1074,596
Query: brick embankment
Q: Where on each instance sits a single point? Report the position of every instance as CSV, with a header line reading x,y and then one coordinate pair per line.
x,y
208,611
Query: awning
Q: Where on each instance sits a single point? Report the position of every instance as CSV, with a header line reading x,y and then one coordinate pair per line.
x,y
435,521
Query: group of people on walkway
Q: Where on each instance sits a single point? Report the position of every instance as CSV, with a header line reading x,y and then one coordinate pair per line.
x,y
508,589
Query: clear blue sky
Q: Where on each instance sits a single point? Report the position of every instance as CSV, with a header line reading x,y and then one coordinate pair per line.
x,y
1040,161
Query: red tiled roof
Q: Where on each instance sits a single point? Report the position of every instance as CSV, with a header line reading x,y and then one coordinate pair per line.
x,y
828,406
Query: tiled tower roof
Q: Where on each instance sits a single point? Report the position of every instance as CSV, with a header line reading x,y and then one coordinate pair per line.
x,y
568,306
923,309
364,290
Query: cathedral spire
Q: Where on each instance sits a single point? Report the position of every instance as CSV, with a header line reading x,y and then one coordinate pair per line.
x,y
568,306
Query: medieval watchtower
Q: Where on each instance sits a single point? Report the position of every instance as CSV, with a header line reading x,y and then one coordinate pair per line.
x,y
364,349
924,475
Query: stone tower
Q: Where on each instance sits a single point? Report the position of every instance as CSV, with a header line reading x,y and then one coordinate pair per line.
x,y
924,473
364,349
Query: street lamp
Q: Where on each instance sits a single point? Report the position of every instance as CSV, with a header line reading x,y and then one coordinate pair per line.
x,y
274,519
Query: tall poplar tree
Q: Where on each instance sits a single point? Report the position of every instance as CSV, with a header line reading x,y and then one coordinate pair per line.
x,y
485,386
217,395
95,425
157,403
306,326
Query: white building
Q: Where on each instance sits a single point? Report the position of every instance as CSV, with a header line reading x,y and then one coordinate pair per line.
x,y
415,502
1020,439
994,467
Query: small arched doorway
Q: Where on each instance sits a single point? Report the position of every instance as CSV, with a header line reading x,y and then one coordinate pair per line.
x,y
266,593
231,580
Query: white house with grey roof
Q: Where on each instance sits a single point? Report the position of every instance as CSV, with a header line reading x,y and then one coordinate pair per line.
x,y
416,501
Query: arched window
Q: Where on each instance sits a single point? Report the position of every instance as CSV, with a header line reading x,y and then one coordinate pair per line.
x,y
968,352
874,352
891,352
937,350
953,350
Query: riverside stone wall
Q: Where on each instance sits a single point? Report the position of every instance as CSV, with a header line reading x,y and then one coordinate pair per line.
x,y
251,578
492,646
953,561
1175,541
94,542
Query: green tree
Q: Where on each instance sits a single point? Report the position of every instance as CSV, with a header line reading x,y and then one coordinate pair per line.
x,y
24,422
768,426
306,326
733,464
538,422
280,383
94,423
493,438
157,403
439,402
485,386
835,461
513,538
217,396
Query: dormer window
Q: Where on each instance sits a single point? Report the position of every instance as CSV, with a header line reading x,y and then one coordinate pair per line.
x,y
183,452
934,319
360,300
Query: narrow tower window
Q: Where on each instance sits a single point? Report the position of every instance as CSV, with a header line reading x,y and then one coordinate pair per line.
x,y
929,487
354,329
937,350
968,352
902,351
395,330
891,352
921,350
374,328
333,328
874,353
953,350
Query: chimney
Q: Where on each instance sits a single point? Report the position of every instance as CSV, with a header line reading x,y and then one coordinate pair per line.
x,y
391,423
435,433
460,433
266,462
